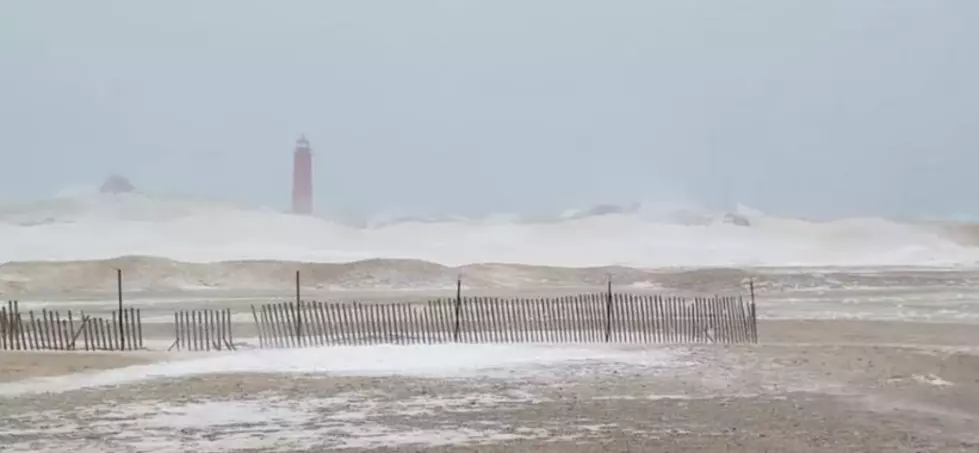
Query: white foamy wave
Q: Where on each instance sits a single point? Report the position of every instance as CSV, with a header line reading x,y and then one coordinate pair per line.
x,y
98,226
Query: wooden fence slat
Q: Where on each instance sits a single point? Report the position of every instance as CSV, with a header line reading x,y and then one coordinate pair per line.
x,y
410,315
648,317
21,334
404,323
14,317
408,333
106,334
485,323
275,323
217,329
51,328
677,322
83,328
59,338
311,323
699,328
44,328
745,330
553,324
200,322
4,329
259,328
190,329
663,304
325,329
454,313
515,320
411,312
489,307
322,316
32,343
280,325
369,320
281,333
133,333
71,331
390,323
570,320
383,316
178,338
726,319
628,318
560,318
688,326
374,328
522,310
498,315
738,318
230,327
553,336
270,334
354,324
267,333
484,326
431,320
401,324
339,313
470,320
721,320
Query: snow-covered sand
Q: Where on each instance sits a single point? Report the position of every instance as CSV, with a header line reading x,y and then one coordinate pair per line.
x,y
780,397
438,361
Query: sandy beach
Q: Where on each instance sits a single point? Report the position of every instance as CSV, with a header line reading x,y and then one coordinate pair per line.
x,y
826,386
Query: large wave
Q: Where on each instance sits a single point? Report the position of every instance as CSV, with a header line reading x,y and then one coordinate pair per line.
x,y
100,226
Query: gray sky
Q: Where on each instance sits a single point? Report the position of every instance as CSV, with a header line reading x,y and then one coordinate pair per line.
x,y
830,107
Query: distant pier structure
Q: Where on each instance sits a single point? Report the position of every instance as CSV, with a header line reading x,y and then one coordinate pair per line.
x,y
302,177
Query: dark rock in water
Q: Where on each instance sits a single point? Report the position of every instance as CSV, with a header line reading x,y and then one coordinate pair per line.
x,y
117,184
736,219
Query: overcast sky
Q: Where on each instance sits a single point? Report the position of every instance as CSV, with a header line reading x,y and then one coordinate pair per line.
x,y
829,107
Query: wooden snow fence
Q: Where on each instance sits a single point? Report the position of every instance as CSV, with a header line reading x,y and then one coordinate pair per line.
x,y
587,318
203,330
49,330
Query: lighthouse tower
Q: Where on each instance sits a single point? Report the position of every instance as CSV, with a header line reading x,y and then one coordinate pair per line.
x,y
302,177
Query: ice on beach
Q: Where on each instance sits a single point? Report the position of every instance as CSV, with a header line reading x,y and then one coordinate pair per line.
x,y
433,361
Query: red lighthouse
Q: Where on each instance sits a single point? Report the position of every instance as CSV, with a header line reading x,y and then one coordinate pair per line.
x,y
302,177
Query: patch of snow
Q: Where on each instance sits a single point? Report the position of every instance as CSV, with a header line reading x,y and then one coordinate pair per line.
x,y
931,379
439,361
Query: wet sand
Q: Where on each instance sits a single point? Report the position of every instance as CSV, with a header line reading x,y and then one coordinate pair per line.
x,y
811,386
17,365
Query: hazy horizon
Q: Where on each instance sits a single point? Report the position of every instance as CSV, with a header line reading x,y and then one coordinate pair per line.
x,y
823,109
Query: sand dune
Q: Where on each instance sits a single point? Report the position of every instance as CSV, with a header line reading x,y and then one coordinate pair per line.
x,y
160,275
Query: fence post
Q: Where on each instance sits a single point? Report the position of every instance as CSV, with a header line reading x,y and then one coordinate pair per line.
x,y
299,315
122,328
455,336
754,319
608,310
